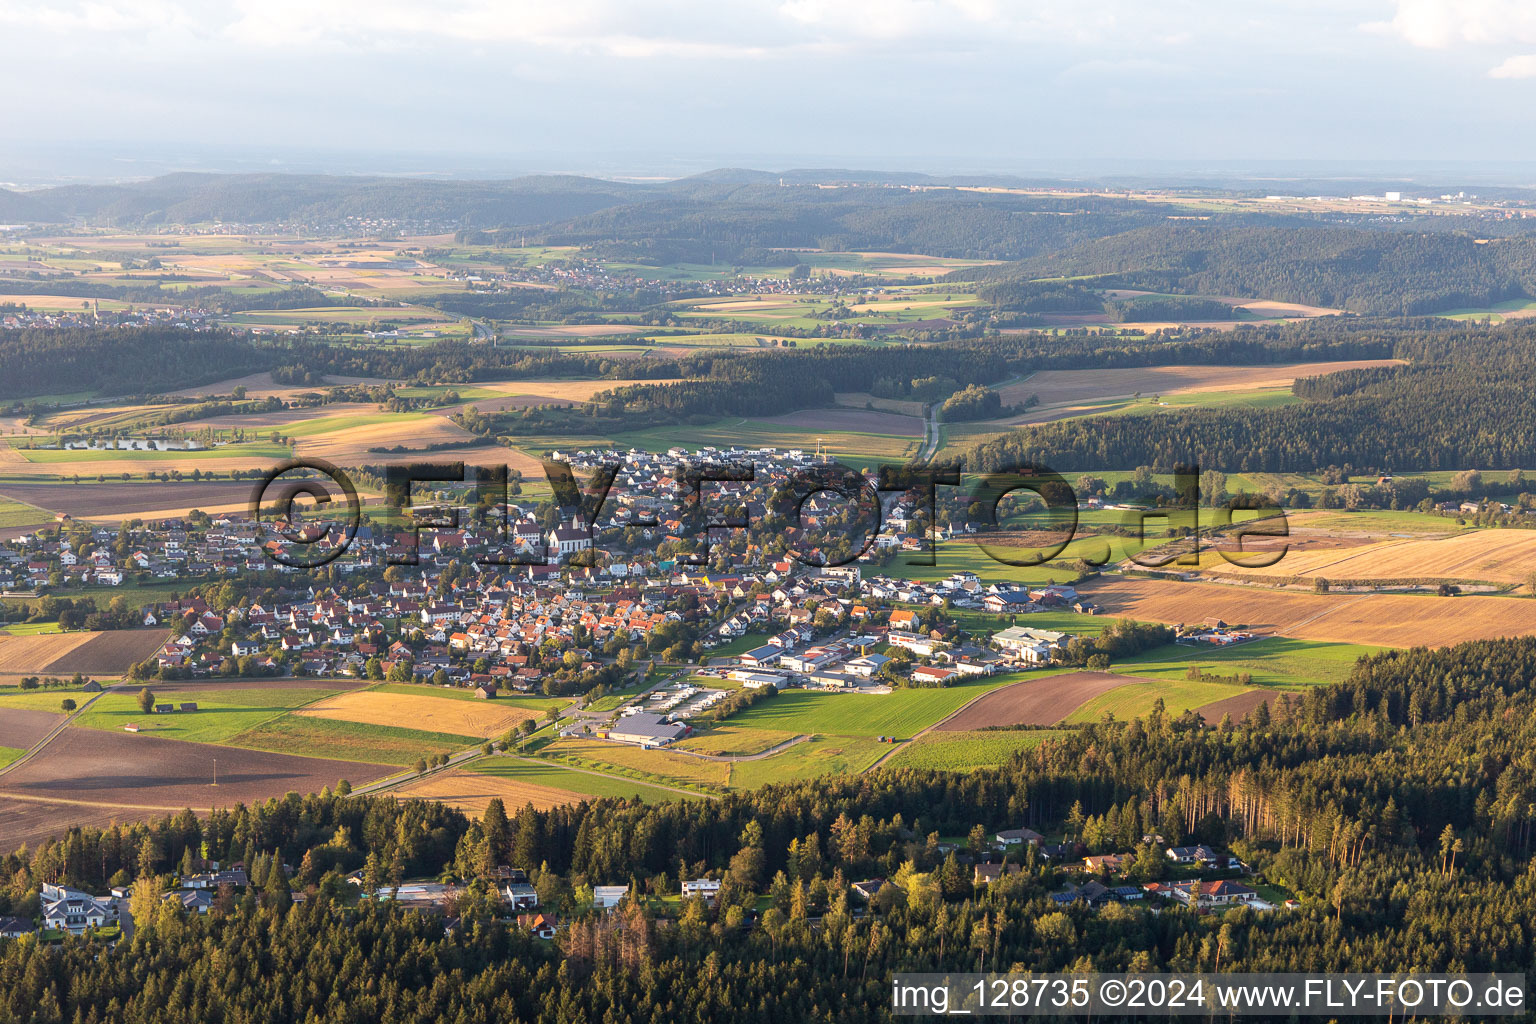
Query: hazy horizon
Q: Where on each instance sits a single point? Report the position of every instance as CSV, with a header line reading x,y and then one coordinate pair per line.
x,y
948,86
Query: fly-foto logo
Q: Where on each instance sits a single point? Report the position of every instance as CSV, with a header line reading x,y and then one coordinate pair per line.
x,y
831,514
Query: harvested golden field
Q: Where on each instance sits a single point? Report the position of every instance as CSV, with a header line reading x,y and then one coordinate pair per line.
x,y
31,655
471,792
1496,556
350,445
570,390
427,714
1070,387
1388,620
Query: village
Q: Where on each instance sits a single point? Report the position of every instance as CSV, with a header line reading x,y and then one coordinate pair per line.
x,y
541,902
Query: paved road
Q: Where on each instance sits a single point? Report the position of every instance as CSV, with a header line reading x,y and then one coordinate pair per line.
x,y
930,432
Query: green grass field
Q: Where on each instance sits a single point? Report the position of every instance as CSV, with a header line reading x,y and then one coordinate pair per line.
x,y
17,699
1385,521
9,754
15,513
221,714
963,751
733,741
348,741
1276,661
900,713
818,756
1134,700
952,556
664,766
31,629
557,777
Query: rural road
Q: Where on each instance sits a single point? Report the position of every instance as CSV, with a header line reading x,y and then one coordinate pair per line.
x,y
930,432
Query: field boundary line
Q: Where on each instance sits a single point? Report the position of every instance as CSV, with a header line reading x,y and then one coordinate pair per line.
x,y
605,775
52,734
929,728
778,748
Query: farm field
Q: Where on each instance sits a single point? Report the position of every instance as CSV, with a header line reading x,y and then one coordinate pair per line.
x,y
479,718
471,792
15,515
664,766
114,501
222,713
22,727
1061,390
947,751
516,772
33,655
732,741
137,772
1371,522
901,713
1238,706
109,653
324,737
1386,620
1276,661
1497,556
1138,696
1041,700
952,556
818,756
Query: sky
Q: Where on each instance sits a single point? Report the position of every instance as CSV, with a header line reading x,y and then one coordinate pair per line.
x,y
638,87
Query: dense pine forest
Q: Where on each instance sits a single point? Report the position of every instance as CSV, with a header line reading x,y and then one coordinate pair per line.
x,y
1397,804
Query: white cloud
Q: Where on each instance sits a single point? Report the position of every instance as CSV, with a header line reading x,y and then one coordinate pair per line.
x,y
1485,25
1438,24
1523,66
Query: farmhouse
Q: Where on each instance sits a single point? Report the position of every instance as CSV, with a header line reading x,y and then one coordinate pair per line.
x,y
702,888
1019,836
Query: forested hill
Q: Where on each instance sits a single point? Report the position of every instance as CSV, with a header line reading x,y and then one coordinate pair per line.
x,y
1391,273
1395,805
276,198
1465,400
